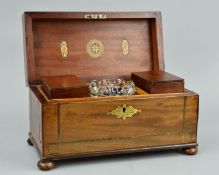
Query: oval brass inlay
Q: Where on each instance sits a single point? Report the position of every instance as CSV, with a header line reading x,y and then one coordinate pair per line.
x,y
125,47
64,49
95,48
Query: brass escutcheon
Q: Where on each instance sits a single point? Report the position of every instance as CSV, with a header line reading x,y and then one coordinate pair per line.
x,y
64,49
124,111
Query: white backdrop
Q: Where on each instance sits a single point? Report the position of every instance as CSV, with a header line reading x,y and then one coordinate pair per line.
x,y
191,46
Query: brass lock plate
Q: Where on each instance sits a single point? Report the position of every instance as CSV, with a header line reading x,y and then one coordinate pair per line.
x,y
124,111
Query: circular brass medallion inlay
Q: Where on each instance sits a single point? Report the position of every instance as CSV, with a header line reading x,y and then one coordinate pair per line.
x,y
95,48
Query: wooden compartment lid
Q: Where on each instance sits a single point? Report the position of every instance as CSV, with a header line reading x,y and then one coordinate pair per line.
x,y
92,45
158,82
66,86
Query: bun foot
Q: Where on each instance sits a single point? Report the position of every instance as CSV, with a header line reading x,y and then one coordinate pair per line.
x,y
45,164
190,151
29,142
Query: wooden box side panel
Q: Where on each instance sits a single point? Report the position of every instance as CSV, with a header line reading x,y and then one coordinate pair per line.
x,y
50,127
35,112
79,128
191,119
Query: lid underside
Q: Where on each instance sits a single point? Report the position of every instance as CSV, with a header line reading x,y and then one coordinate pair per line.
x,y
93,49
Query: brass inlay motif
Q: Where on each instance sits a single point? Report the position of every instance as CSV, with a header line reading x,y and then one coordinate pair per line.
x,y
125,47
64,49
95,16
95,48
124,111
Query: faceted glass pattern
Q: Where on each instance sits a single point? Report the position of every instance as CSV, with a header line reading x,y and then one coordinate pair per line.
x,y
107,87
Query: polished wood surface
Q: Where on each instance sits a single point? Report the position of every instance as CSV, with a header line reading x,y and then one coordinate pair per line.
x,y
35,112
83,126
66,86
65,135
160,77
158,82
43,36
70,128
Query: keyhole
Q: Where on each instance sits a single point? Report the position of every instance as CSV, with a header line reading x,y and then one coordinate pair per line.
x,y
124,109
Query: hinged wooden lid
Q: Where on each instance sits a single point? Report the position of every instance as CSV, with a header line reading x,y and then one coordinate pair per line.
x,y
92,45
67,86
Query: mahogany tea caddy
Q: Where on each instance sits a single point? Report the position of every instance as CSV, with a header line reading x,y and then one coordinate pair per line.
x,y
97,45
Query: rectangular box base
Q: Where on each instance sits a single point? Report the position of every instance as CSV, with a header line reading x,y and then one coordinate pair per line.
x,y
75,128
114,152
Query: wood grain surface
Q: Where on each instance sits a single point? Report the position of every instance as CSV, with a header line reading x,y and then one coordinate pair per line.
x,y
35,115
65,86
45,31
78,127
155,82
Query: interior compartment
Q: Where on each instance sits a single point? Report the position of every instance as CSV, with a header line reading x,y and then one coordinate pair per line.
x,y
139,92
